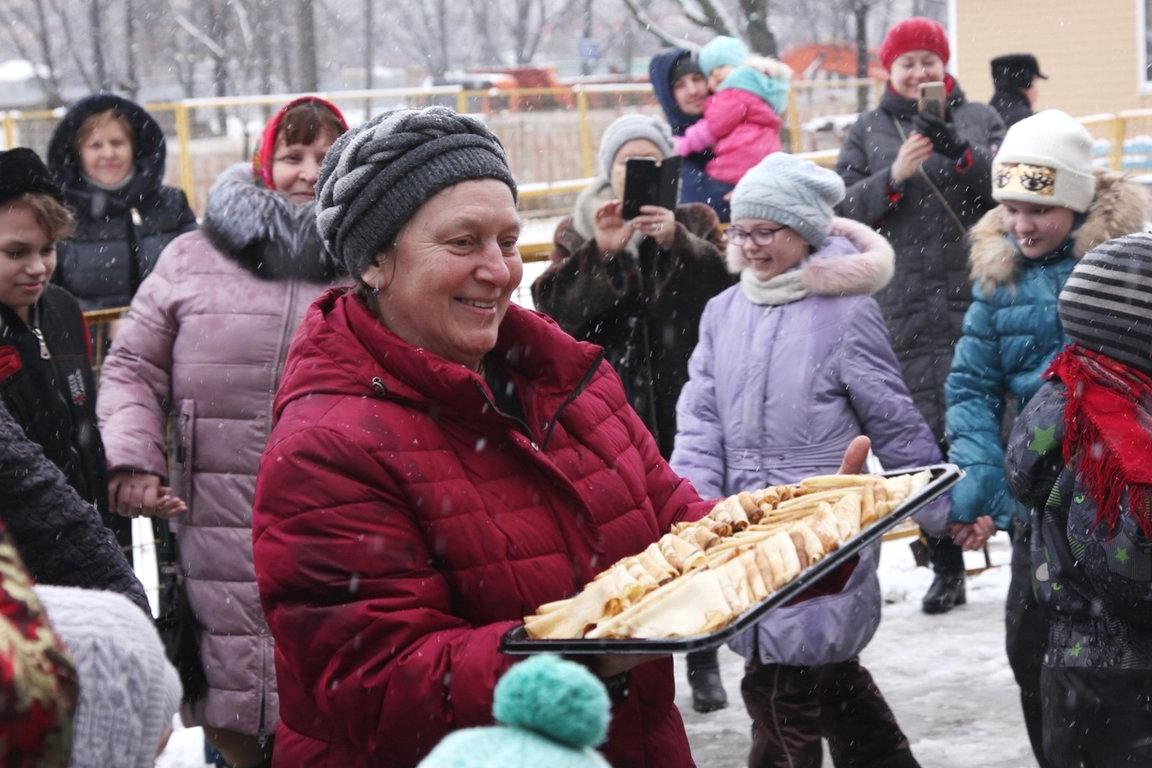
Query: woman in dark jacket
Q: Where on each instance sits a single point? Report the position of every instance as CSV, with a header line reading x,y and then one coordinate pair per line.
x,y
46,380
108,156
638,289
922,181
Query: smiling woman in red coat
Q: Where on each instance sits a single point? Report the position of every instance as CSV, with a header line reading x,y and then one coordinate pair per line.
x,y
442,463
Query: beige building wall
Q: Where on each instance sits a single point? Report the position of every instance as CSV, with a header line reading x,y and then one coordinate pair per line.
x,y
1090,49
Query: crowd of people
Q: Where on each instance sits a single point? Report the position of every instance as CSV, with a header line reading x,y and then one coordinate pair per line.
x,y
373,464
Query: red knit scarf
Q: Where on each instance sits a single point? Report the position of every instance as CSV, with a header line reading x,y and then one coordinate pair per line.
x,y
1108,432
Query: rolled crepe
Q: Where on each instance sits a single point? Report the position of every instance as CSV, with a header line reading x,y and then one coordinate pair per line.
x,y
694,605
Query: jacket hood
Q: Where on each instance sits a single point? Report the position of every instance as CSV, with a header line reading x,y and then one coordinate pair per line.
x,y
342,348
659,70
149,150
1119,208
862,265
263,231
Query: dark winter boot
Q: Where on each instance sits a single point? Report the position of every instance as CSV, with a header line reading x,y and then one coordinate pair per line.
x,y
704,676
946,592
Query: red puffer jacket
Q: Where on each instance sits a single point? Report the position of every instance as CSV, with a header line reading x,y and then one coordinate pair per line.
x,y
403,523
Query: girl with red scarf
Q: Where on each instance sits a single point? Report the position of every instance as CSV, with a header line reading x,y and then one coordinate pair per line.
x,y
1080,456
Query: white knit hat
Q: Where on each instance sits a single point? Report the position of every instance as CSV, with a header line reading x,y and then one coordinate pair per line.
x,y
628,128
1046,159
128,690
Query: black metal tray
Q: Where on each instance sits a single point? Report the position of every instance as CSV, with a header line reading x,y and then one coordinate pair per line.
x,y
944,476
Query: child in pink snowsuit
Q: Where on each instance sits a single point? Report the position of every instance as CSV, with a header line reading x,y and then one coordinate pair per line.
x,y
741,121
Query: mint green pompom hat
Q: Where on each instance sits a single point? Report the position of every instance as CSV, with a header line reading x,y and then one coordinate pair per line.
x,y
549,712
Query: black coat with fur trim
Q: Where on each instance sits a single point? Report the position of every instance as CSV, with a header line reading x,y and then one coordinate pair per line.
x,y
119,233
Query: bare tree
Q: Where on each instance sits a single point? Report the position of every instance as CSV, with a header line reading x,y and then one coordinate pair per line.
x,y
131,81
428,36
14,20
306,45
96,25
759,36
530,19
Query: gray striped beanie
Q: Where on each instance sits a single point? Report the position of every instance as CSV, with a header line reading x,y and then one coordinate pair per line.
x,y
1106,305
375,177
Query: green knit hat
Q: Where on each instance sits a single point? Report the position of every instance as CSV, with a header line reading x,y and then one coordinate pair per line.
x,y
550,712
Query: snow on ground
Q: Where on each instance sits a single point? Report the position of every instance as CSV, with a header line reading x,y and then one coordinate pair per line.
x,y
946,678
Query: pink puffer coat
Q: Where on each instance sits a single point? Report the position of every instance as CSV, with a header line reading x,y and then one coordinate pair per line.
x,y
205,344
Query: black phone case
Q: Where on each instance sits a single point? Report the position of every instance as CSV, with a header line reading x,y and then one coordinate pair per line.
x,y
646,183
944,476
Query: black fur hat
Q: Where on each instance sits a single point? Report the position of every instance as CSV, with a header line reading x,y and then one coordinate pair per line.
x,y
22,171
1015,70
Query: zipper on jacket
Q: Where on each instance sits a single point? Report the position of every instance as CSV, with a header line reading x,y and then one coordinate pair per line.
x,y
580,387
520,423
35,327
44,353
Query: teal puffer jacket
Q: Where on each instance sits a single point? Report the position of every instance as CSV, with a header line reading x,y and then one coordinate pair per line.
x,y
1010,335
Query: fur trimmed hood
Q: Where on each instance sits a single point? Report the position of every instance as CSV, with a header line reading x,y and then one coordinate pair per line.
x,y
1120,207
263,231
843,274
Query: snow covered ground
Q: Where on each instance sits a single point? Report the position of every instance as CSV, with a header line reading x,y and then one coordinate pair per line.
x,y
946,678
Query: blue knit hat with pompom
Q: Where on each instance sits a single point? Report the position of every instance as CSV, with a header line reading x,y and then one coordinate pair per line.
x,y
550,712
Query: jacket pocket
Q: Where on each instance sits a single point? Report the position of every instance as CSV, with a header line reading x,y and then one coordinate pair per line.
x,y
183,451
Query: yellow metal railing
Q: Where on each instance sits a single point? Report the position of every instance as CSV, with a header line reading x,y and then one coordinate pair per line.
x,y
564,122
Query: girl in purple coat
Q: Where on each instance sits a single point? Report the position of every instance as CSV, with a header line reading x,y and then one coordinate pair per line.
x,y
791,365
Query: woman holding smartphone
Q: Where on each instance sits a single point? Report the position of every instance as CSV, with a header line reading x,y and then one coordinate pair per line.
x,y
921,181
638,287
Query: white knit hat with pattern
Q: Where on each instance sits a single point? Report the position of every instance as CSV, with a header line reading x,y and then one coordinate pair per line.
x,y
1046,159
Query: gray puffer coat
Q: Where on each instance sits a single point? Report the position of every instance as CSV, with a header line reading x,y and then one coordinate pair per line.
x,y
924,305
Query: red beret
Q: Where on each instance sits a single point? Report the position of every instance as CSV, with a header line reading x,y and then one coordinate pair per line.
x,y
914,34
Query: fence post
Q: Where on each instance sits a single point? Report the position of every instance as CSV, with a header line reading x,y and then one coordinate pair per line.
x,y
793,121
1119,130
184,139
585,134
462,101
9,130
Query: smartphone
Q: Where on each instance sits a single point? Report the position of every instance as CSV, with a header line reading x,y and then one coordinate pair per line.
x,y
647,182
932,99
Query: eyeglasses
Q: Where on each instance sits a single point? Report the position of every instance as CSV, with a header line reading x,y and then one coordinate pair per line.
x,y
762,236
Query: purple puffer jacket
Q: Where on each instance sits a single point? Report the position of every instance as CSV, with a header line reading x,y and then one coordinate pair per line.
x,y
777,393
204,345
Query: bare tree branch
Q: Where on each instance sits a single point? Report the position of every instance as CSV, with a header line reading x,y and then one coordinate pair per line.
x,y
50,85
70,44
642,18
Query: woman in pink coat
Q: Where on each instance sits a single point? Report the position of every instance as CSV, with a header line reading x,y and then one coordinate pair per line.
x,y
204,345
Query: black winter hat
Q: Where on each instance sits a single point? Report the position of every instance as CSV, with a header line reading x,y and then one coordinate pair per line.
x,y
1015,70
21,172
685,65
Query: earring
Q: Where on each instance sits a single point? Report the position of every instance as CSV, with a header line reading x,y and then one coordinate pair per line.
x,y
376,288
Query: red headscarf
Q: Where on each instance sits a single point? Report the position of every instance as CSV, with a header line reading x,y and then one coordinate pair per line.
x,y
1107,423
262,160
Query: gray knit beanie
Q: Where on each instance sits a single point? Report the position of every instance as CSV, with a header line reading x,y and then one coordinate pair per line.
x,y
375,177
796,193
630,127
1106,304
128,690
